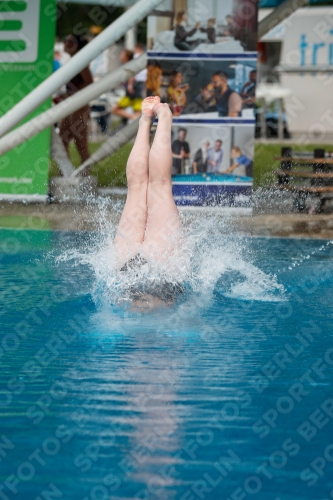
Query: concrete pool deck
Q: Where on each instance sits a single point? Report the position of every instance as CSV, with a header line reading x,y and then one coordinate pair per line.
x,y
83,217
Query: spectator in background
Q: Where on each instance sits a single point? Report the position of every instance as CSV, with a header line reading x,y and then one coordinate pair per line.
x,y
232,28
99,66
181,34
241,163
218,94
210,30
177,93
139,80
215,157
75,126
200,159
180,151
56,60
154,79
248,92
133,98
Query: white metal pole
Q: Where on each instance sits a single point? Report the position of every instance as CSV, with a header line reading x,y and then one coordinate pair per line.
x,y
76,64
280,13
59,154
73,103
130,37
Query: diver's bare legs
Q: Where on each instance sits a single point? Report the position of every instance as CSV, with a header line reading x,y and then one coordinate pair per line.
x,y
163,223
132,224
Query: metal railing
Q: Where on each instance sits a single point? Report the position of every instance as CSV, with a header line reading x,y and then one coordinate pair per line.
x,y
49,86
71,104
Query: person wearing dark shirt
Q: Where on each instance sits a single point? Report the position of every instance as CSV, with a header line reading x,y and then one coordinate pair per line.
x,y
180,151
217,95
210,30
248,92
181,34
232,28
200,159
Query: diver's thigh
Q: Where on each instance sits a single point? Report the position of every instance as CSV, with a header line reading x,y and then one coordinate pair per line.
x,y
163,223
132,225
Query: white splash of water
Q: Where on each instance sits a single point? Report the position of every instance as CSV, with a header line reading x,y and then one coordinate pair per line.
x,y
222,262
212,259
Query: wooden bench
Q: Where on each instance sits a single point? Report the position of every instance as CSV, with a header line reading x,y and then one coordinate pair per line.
x,y
321,177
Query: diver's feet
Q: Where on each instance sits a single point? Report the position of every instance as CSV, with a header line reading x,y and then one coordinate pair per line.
x,y
147,107
162,109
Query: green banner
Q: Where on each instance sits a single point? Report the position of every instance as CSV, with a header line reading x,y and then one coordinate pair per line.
x,y
27,30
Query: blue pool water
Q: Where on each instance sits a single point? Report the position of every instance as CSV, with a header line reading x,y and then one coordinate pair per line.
x,y
224,394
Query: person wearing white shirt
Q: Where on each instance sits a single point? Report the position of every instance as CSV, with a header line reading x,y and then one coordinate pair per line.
x,y
215,157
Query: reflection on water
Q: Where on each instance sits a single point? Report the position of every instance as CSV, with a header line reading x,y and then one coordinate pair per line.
x,y
212,397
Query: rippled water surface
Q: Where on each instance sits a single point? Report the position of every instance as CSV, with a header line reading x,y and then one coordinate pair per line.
x,y
224,393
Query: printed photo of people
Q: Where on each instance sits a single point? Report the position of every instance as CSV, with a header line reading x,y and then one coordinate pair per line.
x,y
210,26
215,89
206,149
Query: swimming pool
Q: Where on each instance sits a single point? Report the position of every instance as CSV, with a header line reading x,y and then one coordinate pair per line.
x,y
226,394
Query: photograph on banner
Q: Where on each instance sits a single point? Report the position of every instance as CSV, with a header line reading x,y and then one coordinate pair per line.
x,y
203,26
209,89
207,149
